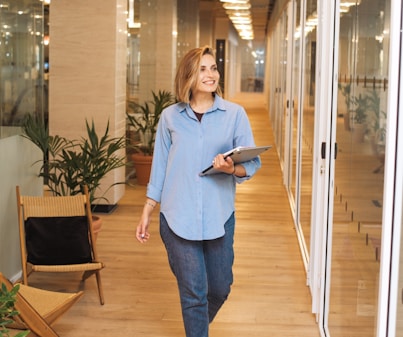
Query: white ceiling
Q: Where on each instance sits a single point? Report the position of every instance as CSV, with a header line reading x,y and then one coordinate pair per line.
x,y
260,10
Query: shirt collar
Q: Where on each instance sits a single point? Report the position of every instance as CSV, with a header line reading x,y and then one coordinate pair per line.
x,y
217,105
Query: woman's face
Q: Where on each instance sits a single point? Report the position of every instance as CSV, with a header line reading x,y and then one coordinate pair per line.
x,y
209,76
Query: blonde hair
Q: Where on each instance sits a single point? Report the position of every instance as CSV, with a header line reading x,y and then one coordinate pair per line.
x,y
188,72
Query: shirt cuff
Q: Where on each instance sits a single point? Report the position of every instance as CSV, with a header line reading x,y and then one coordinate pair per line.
x,y
153,193
251,168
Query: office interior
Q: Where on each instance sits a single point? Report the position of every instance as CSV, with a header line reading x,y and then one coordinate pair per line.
x,y
329,73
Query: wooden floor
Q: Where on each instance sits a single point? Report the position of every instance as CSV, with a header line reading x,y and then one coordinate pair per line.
x,y
269,297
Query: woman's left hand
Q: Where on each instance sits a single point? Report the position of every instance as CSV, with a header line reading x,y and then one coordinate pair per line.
x,y
225,165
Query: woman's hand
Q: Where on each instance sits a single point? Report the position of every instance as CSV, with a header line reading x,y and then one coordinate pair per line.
x,y
142,233
224,165
227,165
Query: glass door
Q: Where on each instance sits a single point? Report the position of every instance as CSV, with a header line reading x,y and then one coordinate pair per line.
x,y
294,105
307,118
398,300
390,321
301,119
278,56
396,293
356,231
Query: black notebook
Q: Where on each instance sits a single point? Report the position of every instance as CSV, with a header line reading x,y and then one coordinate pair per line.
x,y
239,154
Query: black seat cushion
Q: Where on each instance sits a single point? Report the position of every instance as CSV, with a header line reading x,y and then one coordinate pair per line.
x,y
57,240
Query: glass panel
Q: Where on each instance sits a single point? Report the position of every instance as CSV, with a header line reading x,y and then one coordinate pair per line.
x,y
133,50
187,27
282,88
295,91
308,117
252,69
399,313
278,50
22,86
359,175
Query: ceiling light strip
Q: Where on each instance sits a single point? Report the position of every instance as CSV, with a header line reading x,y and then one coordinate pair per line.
x,y
238,12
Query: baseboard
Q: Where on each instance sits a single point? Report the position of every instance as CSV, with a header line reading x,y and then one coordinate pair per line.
x,y
103,208
16,278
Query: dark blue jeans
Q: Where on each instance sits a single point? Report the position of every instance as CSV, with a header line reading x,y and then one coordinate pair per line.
x,y
203,270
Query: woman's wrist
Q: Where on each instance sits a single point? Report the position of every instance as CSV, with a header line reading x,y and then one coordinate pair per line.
x,y
233,172
150,203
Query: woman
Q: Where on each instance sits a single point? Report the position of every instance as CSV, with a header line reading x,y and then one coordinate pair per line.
x,y
197,212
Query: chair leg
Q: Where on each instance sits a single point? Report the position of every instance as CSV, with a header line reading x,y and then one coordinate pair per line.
x,y
97,273
100,290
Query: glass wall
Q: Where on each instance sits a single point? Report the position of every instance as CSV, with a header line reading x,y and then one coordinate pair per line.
x,y
359,175
303,115
399,300
159,34
308,119
252,68
22,86
293,107
133,49
348,270
363,53
278,58
295,103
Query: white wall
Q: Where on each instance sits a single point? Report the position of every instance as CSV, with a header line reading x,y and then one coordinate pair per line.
x,y
17,156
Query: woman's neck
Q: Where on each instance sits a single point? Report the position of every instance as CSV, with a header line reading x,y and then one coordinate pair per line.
x,y
201,103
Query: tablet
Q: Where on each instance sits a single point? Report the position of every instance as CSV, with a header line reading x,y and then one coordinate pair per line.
x,y
239,154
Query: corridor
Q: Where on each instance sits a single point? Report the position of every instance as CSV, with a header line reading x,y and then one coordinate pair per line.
x,y
269,297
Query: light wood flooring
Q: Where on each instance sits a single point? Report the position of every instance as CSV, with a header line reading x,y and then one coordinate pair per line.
x,y
269,297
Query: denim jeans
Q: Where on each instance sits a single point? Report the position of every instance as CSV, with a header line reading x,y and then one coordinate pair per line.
x,y
203,270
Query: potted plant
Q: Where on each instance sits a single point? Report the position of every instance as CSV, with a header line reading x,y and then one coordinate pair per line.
x,y
7,310
144,119
376,117
359,116
68,165
346,92
377,126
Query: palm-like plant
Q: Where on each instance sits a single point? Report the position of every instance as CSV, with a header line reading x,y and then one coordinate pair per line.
x,y
146,118
68,165
360,112
346,92
376,121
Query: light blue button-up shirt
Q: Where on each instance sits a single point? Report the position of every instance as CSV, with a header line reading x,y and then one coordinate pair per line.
x,y
195,207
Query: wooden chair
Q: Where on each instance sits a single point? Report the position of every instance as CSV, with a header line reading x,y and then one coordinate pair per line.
x,y
56,236
38,309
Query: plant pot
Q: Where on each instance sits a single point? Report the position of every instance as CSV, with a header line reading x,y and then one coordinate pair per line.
x,y
142,165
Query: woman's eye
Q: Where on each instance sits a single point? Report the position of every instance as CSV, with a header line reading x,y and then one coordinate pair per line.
x,y
202,69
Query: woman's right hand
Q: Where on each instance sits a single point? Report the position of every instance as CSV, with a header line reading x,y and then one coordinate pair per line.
x,y
142,233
